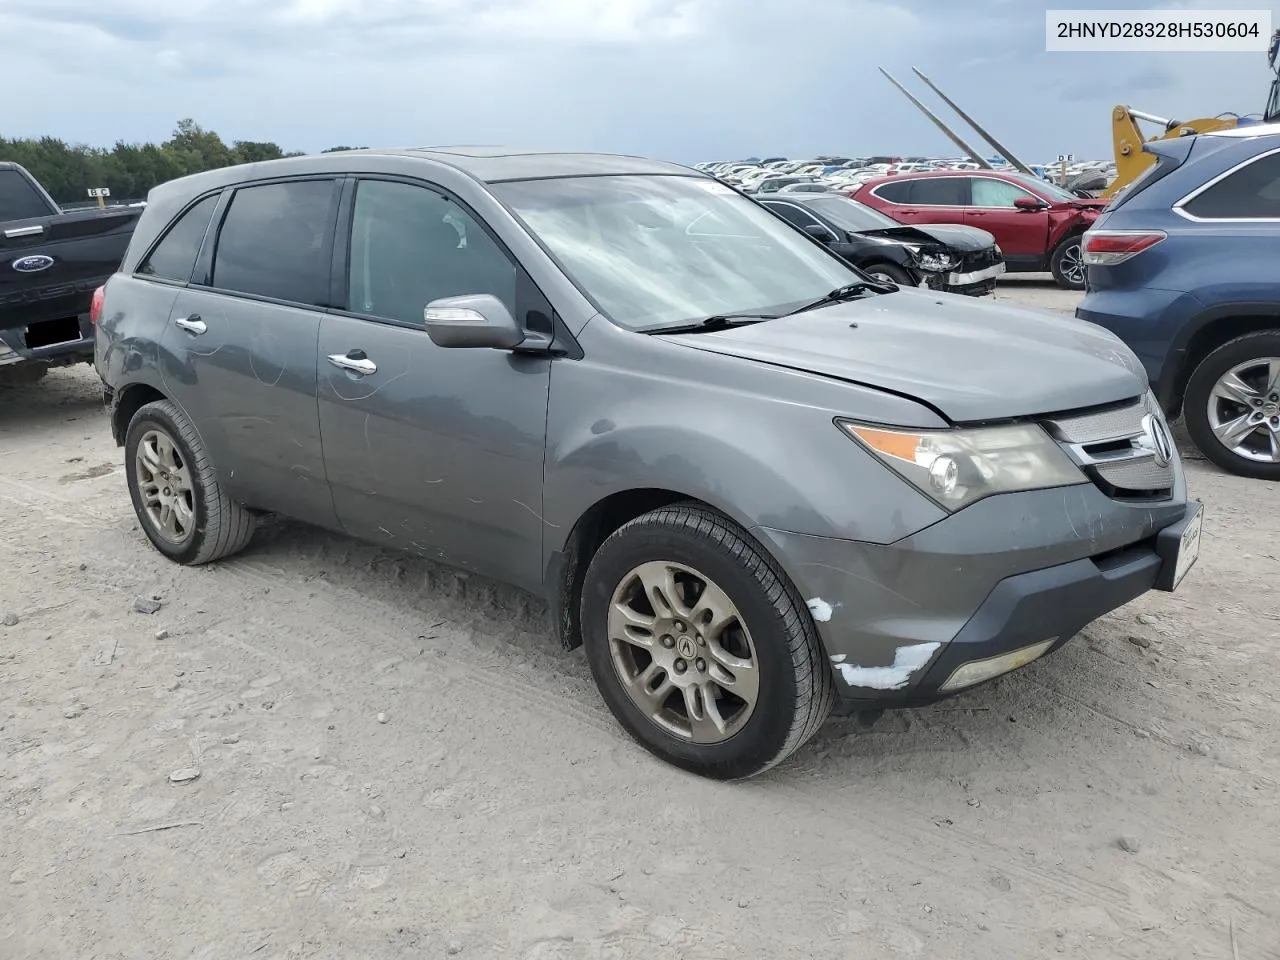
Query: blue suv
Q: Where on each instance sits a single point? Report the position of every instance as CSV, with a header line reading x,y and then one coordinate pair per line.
x,y
1184,266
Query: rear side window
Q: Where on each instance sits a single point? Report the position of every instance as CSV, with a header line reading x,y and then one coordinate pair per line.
x,y
19,200
938,191
1251,193
274,242
899,192
175,256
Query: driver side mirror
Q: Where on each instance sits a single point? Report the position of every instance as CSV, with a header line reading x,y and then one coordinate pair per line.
x,y
820,233
1029,203
478,320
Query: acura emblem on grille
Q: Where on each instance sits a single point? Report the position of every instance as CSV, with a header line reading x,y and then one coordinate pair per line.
x,y
1155,439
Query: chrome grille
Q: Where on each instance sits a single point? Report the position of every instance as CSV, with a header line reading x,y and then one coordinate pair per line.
x,y
1117,451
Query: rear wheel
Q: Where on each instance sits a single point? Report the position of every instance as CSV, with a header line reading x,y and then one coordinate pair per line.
x,y
175,491
700,646
1232,406
1067,264
889,273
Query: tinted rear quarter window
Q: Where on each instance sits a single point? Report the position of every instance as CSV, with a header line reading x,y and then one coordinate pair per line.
x,y
175,256
19,200
898,192
1252,192
938,191
274,242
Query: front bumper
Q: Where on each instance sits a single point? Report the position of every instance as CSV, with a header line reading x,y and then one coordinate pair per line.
x,y
1006,573
973,283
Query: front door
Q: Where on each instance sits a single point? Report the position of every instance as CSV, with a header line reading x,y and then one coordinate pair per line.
x,y
434,450
1022,234
239,349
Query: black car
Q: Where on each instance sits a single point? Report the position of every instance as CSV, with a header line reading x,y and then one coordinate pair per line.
x,y
946,257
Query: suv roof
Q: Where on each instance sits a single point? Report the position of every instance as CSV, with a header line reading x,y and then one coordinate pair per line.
x,y
488,164
1248,130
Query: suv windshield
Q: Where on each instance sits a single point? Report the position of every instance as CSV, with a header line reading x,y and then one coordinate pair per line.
x,y
653,251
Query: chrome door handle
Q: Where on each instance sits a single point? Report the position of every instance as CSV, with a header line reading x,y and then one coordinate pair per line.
x,y
192,324
343,362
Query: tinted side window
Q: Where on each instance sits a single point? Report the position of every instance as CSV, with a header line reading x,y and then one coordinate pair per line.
x,y
938,191
792,214
899,192
175,256
1252,191
273,242
18,199
411,245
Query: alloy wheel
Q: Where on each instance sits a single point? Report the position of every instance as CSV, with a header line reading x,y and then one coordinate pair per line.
x,y
1244,410
683,653
164,482
1072,264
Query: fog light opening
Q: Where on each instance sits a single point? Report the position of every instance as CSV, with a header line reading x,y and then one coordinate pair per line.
x,y
976,671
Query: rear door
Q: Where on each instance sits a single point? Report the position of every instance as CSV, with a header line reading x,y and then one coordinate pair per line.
x,y
239,350
433,450
924,199
1021,234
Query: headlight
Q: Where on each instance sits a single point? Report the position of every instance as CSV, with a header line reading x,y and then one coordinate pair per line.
x,y
958,467
936,261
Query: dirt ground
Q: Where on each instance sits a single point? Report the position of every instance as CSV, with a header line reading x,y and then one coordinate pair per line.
x,y
395,761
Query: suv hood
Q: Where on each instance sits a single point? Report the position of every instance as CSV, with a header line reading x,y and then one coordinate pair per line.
x,y
1081,203
959,238
970,361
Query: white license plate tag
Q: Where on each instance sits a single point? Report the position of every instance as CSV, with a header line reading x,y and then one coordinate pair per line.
x,y
1188,547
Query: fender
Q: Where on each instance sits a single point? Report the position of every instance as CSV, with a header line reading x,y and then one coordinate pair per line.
x,y
1173,373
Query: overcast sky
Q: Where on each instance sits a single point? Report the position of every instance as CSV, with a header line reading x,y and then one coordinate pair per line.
x,y
679,79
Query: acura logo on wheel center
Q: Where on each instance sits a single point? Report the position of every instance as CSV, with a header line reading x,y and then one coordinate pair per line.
x,y
685,647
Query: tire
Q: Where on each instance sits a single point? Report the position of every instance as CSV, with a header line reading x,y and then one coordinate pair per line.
x,y
890,272
1245,354
215,526
794,690
1066,266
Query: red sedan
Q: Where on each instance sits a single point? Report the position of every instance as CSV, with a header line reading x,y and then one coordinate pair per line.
x,y
1036,224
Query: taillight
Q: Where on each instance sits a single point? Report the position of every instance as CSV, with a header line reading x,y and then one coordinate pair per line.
x,y
95,305
1105,248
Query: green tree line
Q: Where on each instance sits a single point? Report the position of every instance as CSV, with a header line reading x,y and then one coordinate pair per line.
x,y
129,170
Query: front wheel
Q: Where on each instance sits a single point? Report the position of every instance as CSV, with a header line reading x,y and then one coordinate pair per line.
x,y
889,273
700,646
1232,406
176,494
1067,264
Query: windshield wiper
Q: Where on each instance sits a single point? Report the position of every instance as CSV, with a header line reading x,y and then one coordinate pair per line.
x,y
850,291
719,321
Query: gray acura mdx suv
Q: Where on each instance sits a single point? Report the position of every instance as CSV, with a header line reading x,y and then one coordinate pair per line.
x,y
752,482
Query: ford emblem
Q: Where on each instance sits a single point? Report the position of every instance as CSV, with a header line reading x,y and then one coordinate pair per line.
x,y
32,264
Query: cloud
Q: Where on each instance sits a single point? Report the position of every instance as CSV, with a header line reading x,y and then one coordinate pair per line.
x,y
684,79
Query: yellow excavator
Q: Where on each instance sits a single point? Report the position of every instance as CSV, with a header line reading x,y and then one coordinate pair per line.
x,y
1127,137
